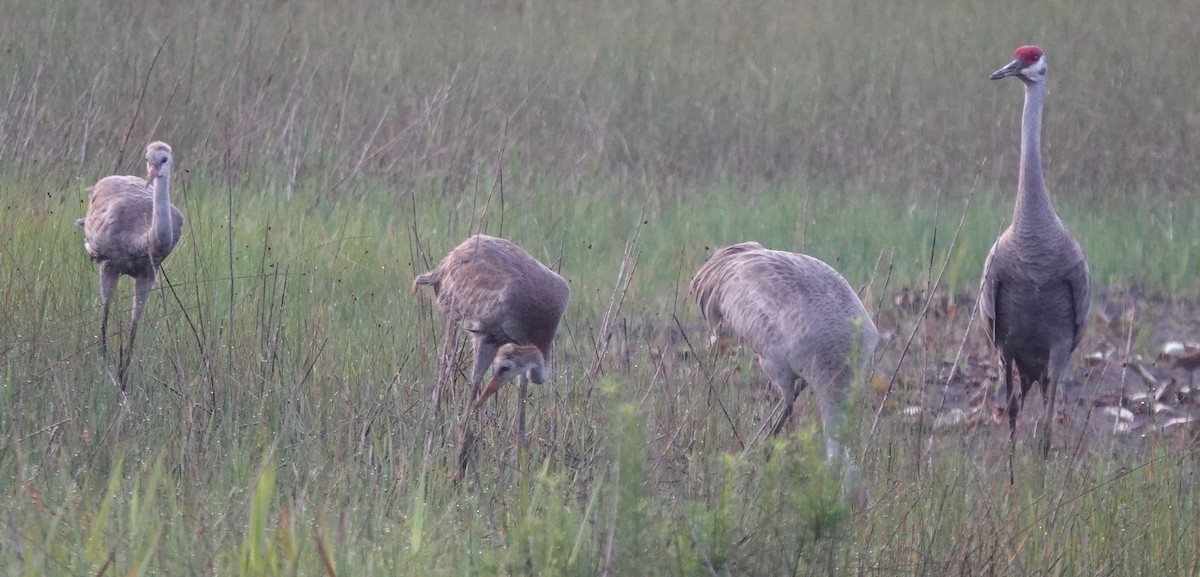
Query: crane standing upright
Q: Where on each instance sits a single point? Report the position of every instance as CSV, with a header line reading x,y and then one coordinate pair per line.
x,y
1034,296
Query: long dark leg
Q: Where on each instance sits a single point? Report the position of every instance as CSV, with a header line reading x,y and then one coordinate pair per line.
x,y
522,446
1057,369
484,351
104,335
141,294
788,406
1048,392
1012,416
785,381
522,395
108,284
464,438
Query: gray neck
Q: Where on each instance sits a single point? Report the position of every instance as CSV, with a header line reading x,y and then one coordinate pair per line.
x,y
1033,202
537,373
161,228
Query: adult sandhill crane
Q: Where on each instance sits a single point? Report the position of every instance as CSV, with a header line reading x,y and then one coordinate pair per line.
x,y
130,228
500,294
800,316
1034,298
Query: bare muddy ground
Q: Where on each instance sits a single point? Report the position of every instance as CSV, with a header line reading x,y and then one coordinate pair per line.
x,y
1122,391
938,376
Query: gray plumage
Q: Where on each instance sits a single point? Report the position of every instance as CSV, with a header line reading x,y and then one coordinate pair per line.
x,y
130,228
1034,296
499,293
804,321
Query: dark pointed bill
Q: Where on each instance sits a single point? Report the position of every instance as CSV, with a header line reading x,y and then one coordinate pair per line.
x,y
1012,69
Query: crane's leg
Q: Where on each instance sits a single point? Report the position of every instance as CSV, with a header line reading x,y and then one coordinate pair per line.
x,y
1049,394
522,446
485,353
1057,369
1007,367
831,401
141,294
522,395
833,391
108,285
785,380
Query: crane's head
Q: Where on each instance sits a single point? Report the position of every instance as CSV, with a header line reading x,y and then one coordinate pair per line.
x,y
1029,64
158,160
513,360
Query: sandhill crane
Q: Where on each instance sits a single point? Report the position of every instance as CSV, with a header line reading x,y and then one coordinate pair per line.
x,y
500,294
804,321
511,304
130,228
1034,298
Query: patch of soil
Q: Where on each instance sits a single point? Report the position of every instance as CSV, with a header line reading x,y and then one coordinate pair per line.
x,y
1120,384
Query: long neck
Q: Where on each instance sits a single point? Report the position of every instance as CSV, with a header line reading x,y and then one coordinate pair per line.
x,y
161,228
1033,203
537,372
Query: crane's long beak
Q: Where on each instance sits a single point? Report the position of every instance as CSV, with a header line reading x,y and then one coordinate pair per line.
x,y
493,386
1012,69
151,172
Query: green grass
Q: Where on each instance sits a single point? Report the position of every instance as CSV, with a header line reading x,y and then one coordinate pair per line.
x,y
895,97
286,412
279,408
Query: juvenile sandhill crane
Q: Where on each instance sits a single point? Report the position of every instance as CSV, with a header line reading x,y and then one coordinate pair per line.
x,y
130,228
802,319
500,294
511,304
1034,298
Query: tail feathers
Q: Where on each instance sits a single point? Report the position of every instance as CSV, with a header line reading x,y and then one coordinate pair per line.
x,y
427,279
79,221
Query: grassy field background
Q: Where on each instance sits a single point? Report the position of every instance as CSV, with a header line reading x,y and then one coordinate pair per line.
x,y
326,153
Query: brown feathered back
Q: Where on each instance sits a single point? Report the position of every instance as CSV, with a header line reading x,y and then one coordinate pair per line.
x,y
501,294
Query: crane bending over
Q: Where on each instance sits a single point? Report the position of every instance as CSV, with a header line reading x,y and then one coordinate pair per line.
x,y
800,316
1034,297
130,228
511,304
500,294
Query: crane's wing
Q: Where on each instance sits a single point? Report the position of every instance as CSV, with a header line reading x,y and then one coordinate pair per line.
x,y
988,288
176,225
1079,279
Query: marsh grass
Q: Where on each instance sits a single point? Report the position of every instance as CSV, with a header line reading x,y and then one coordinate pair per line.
x,y
280,402
280,405
895,97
